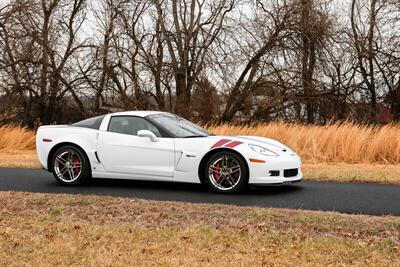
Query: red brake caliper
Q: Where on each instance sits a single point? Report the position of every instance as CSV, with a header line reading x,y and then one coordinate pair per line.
x,y
77,169
216,173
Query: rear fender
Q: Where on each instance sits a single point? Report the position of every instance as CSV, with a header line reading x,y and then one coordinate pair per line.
x,y
48,141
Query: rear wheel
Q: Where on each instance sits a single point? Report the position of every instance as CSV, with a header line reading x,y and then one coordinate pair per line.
x,y
226,172
71,166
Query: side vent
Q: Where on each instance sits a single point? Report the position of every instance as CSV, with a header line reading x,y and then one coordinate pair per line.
x,y
97,156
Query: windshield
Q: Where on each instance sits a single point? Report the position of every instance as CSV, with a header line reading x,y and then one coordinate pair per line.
x,y
178,126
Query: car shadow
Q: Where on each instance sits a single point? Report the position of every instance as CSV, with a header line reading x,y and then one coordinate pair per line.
x,y
178,187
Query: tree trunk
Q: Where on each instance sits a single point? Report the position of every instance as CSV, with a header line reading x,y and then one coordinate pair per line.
x,y
308,59
182,101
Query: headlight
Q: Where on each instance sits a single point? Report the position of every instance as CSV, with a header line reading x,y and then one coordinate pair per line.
x,y
263,151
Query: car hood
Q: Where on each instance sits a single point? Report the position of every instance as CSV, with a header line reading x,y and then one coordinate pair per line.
x,y
261,141
268,143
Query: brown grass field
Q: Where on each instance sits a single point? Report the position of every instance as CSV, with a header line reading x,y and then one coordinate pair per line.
x,y
73,230
16,138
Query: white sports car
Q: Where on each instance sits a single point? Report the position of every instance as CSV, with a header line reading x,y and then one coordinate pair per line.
x,y
152,145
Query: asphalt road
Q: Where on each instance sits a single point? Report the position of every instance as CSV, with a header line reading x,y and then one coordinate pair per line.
x,y
356,198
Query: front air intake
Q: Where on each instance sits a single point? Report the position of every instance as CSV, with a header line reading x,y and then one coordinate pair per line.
x,y
273,173
290,172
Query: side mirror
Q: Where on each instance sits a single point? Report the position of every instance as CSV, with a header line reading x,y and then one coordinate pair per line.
x,y
149,134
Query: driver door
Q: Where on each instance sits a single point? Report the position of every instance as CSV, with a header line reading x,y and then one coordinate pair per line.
x,y
121,151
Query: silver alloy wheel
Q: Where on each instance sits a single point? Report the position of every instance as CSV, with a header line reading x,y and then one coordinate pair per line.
x,y
68,166
225,172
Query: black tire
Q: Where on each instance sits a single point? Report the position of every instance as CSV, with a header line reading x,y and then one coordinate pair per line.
x,y
81,173
233,186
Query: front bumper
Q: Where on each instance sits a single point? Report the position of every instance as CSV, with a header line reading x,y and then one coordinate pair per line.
x,y
260,173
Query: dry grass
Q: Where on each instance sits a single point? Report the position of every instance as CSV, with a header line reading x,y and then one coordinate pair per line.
x,y
14,137
371,173
19,159
65,230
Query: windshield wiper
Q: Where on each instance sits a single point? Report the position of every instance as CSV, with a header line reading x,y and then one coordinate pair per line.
x,y
193,136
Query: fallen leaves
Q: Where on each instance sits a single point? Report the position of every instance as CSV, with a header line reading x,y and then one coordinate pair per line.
x,y
106,230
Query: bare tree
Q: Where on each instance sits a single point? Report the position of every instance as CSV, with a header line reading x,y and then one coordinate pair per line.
x,y
364,39
40,42
313,29
387,58
280,19
189,31
304,60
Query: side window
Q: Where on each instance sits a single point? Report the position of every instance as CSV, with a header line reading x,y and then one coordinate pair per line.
x,y
131,125
92,123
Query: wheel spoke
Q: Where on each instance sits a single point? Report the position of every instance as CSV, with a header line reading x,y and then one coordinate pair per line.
x,y
71,174
223,178
225,162
234,169
63,171
76,165
229,180
215,169
61,160
76,171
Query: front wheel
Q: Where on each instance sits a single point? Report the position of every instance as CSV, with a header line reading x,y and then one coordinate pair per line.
x,y
71,166
226,172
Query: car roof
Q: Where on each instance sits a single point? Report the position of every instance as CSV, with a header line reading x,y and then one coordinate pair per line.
x,y
139,113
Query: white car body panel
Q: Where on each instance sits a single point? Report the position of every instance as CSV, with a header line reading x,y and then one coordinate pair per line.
x,y
122,156
83,137
115,152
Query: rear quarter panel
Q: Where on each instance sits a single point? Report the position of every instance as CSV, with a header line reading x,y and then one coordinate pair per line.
x,y
49,137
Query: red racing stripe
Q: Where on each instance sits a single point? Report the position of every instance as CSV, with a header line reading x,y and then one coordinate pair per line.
x,y
220,143
233,144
